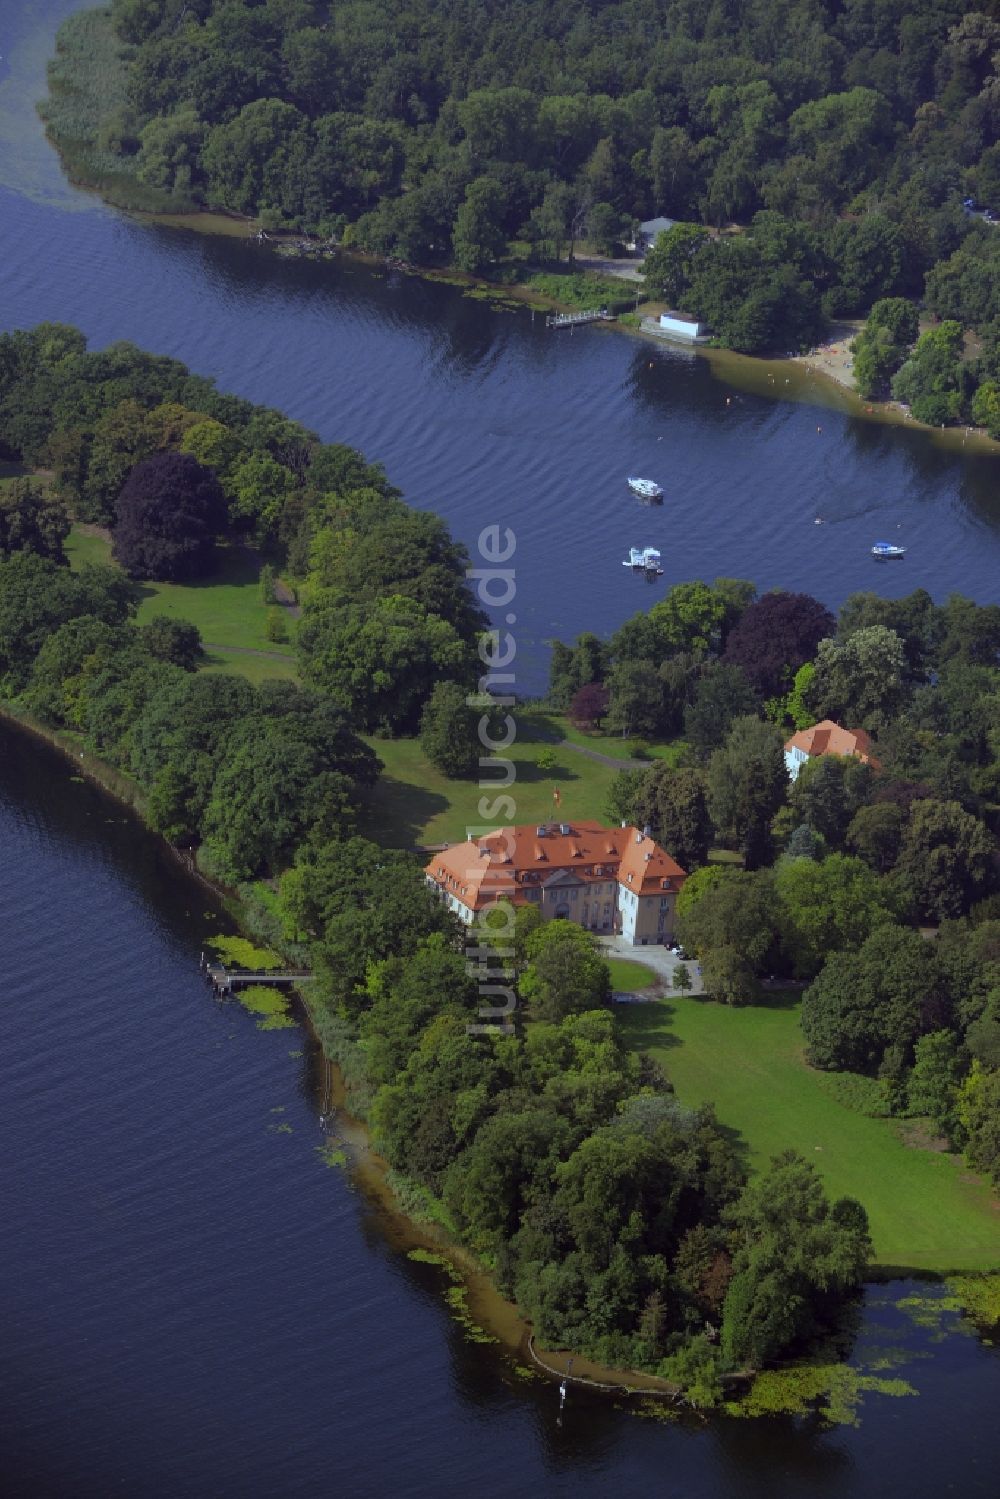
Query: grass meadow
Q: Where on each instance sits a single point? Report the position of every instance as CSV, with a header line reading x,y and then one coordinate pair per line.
x,y
413,803
226,606
927,1210
627,976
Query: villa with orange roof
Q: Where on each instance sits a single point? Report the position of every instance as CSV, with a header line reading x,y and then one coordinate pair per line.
x,y
827,738
610,880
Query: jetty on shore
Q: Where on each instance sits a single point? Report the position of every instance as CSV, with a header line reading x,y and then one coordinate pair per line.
x,y
225,980
570,319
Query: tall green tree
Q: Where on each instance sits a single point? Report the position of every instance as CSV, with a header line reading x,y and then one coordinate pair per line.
x,y
860,681
449,728
945,858
747,783
32,521
478,238
829,906
668,265
797,1255
674,803
565,973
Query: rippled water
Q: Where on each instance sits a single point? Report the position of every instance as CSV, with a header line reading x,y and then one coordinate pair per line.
x,y
191,1303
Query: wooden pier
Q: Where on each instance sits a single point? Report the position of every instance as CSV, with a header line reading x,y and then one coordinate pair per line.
x,y
571,319
225,980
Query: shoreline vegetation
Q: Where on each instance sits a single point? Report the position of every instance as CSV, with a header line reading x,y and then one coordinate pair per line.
x,y
514,1143
816,379
498,1316
404,1231
794,1386
135,109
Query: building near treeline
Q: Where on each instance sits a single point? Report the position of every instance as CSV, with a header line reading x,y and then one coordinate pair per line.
x,y
826,738
649,232
608,880
682,325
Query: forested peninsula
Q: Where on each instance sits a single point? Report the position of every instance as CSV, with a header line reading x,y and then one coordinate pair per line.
x,y
623,1223
847,153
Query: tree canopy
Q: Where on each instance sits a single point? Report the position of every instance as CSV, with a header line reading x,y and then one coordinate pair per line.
x,y
167,517
842,142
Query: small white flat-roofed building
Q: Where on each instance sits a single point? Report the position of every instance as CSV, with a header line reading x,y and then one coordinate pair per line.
x,y
648,233
680,325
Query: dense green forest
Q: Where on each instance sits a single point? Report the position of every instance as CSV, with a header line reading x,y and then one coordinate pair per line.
x,y
442,130
620,1221
842,868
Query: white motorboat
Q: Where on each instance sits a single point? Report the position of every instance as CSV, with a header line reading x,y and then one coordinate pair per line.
x,y
646,489
643,559
885,549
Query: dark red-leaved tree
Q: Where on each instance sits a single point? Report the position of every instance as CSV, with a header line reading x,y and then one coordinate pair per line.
x,y
776,635
589,705
168,513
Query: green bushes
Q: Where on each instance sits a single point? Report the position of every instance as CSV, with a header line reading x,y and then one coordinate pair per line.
x,y
88,115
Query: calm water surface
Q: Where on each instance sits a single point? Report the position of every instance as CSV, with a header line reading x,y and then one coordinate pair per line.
x,y
191,1302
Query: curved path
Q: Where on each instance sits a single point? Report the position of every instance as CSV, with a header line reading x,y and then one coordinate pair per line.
x,y
592,754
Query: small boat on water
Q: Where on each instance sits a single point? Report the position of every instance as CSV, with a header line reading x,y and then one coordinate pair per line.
x,y
886,549
646,489
643,559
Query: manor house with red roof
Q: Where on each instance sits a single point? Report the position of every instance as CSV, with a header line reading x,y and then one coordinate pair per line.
x,y
610,880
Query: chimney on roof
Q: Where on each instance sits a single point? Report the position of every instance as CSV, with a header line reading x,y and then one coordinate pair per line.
x,y
647,831
638,836
624,823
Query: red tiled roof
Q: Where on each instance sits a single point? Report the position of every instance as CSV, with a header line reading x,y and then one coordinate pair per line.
x,y
828,738
504,863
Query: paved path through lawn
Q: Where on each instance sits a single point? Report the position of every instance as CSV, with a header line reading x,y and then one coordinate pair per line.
x,y
592,754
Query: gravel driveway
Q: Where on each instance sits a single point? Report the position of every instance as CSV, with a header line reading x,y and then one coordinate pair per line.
x,y
659,959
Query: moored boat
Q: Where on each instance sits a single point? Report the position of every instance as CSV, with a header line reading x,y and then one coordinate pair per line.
x,y
644,559
885,549
646,489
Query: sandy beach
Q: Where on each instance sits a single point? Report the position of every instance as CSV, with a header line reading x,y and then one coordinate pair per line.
x,y
833,357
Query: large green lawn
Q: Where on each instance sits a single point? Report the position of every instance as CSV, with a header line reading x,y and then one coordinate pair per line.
x,y
413,803
226,606
926,1210
255,668
556,726
627,977
613,744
